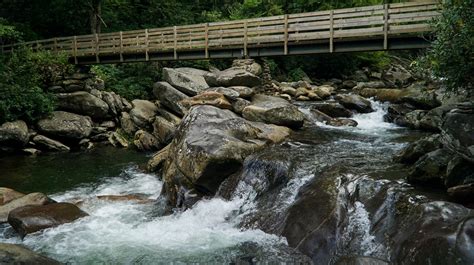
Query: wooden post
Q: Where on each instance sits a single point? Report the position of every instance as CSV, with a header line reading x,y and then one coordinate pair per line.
x,y
385,33
75,49
220,40
245,39
286,35
331,31
121,46
175,43
97,48
207,41
55,45
147,58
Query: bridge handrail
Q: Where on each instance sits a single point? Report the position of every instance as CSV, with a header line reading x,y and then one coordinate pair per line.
x,y
378,21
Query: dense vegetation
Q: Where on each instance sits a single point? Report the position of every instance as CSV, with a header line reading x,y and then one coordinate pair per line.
x,y
22,75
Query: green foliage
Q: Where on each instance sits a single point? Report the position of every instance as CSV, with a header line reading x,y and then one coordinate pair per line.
x,y
131,81
8,33
452,55
22,76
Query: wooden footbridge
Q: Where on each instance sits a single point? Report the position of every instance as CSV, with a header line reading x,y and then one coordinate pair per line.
x,y
370,28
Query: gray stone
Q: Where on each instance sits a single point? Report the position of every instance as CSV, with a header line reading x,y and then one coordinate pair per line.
x,y
19,255
143,112
163,130
237,77
332,109
145,141
170,97
190,81
66,125
127,124
83,103
14,134
29,199
355,102
46,143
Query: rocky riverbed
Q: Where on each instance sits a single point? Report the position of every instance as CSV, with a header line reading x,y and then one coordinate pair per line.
x,y
251,170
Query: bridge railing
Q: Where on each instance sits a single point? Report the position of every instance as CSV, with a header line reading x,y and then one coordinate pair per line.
x,y
379,21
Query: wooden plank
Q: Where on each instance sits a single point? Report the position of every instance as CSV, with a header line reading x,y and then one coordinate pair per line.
x,y
410,4
331,34
413,9
418,14
175,44
121,46
410,20
207,41
147,58
286,35
245,40
413,28
385,30
75,50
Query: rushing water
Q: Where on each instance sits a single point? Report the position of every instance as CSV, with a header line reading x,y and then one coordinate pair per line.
x,y
124,232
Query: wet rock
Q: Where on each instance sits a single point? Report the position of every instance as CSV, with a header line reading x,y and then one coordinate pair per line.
x,y
211,98
458,131
463,193
236,77
433,119
31,151
190,81
338,122
66,125
14,134
86,144
170,97
301,91
156,162
396,113
431,168
46,143
349,84
397,75
320,116
355,102
229,93
29,199
114,102
370,85
83,103
163,130
419,96
412,152
143,112
169,117
127,124
33,218
211,144
7,195
412,119
359,76
361,261
17,254
145,141
273,110
459,171
302,98
333,110
382,94
285,97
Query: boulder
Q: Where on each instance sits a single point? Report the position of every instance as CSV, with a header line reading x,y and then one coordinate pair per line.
x,y
31,151
212,98
430,169
117,139
46,143
127,124
458,172
397,75
229,93
248,65
240,104
463,193
396,112
145,141
66,125
83,103
457,131
412,152
419,96
190,81
302,91
236,77
332,109
324,91
244,91
29,199
170,97
19,255
382,94
143,112
355,102
115,103
273,110
370,84
163,130
433,119
33,218
210,144
338,122
288,90
156,162
411,119
14,134
349,84
361,261
7,195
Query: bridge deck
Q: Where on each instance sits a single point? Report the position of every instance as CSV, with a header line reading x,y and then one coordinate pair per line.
x,y
379,27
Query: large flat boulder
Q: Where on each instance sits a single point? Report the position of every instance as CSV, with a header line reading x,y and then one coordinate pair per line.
x,y
210,144
273,110
33,218
14,134
457,131
332,109
355,102
190,81
84,103
236,76
7,195
19,255
170,97
29,199
66,125
212,98
46,143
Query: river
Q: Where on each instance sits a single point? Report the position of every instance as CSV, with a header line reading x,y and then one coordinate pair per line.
x,y
215,230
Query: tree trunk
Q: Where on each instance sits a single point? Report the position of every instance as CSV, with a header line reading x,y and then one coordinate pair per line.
x,y
95,16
